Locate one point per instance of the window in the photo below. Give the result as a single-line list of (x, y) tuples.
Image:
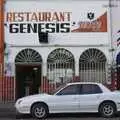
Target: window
[(69, 90), (90, 89)]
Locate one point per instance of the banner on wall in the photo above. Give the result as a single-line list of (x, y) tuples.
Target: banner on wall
[(98, 25), (54, 22)]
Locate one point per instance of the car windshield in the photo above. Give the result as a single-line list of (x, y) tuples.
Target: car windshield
[(57, 89)]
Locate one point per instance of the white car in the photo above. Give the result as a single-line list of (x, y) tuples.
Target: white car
[(72, 98)]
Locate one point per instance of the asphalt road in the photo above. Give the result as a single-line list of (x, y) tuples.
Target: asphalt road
[(8, 115), (73, 117)]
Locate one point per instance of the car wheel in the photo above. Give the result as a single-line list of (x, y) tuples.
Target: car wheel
[(107, 109), (39, 111)]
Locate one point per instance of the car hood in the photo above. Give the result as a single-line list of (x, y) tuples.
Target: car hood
[(36, 96)]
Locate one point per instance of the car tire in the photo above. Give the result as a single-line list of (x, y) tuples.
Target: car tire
[(39, 111), (107, 109)]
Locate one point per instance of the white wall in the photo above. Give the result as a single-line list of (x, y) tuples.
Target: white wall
[(79, 10)]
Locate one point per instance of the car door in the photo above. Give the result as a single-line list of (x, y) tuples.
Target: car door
[(89, 97), (65, 100)]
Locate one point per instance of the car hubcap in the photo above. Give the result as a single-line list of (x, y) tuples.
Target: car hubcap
[(108, 110), (39, 112)]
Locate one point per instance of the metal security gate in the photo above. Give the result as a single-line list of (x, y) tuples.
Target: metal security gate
[(93, 72), (7, 83), (60, 68), (93, 66)]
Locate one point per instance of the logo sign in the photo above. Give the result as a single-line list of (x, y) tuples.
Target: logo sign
[(90, 15), (96, 25)]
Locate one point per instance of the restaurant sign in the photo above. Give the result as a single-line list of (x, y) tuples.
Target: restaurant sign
[(54, 22)]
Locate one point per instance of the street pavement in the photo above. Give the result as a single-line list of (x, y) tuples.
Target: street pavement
[(7, 112)]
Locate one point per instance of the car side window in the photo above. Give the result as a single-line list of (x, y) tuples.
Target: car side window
[(69, 90), (90, 89)]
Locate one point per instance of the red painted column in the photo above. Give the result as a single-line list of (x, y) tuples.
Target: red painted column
[(1, 31), (1, 45)]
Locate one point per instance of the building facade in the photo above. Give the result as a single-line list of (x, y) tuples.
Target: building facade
[(49, 43)]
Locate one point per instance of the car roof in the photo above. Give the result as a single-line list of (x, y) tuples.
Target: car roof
[(84, 83)]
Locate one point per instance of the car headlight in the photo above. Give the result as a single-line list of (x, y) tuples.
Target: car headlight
[(19, 101)]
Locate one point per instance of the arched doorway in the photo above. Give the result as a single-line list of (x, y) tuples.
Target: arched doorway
[(28, 72), (60, 67), (92, 66)]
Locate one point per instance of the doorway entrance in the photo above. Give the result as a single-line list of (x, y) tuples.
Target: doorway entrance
[(28, 72), (28, 80)]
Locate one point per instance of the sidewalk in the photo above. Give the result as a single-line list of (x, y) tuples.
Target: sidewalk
[(7, 105), (7, 109)]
